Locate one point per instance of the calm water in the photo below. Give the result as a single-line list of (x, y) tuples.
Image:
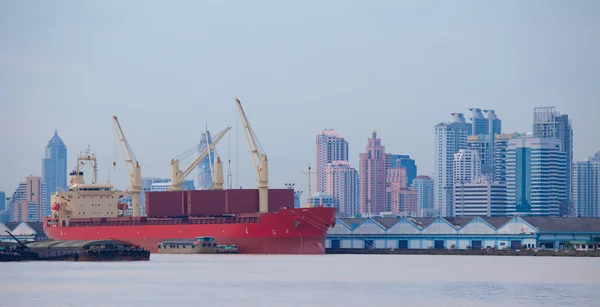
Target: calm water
[(328, 280)]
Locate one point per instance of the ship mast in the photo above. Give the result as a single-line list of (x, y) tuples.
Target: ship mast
[(84, 156), (229, 174), (259, 158), (133, 168), (309, 201)]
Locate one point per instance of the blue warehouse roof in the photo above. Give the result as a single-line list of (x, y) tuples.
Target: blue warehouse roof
[(541, 224)]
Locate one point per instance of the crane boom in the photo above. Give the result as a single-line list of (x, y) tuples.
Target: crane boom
[(177, 175), (133, 167), (259, 158)]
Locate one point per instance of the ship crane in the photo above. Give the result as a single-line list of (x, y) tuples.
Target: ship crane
[(177, 175), (133, 168), (259, 158)]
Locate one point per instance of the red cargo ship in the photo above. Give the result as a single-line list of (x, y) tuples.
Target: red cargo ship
[(92, 212), (257, 221), (288, 231)]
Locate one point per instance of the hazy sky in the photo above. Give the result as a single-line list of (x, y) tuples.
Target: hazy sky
[(168, 68)]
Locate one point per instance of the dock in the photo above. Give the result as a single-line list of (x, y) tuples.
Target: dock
[(463, 252)]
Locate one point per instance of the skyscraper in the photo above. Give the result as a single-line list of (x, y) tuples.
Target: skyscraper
[(330, 147), (586, 187), (483, 145), (481, 198), (424, 187), (548, 123), (536, 176), (343, 185), (373, 177), (481, 125), (404, 161), (495, 124), (395, 181), (205, 179), (2, 201), (482, 139), (28, 201), (467, 166), (54, 169), (405, 202), (449, 139)]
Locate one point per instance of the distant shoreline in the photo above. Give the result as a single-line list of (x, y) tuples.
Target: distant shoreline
[(463, 252)]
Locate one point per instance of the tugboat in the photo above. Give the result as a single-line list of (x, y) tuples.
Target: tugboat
[(199, 245)]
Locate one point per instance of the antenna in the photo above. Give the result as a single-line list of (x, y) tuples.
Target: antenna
[(229, 174), (237, 150), (309, 184)]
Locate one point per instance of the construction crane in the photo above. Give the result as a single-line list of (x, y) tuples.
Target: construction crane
[(178, 175), (259, 158), (133, 168)]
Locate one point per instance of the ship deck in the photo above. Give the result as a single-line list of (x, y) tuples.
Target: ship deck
[(184, 220)]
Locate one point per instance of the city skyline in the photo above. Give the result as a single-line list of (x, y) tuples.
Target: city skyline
[(392, 67), (315, 187), (466, 168)]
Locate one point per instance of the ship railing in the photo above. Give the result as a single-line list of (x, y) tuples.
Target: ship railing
[(165, 221), (213, 220)]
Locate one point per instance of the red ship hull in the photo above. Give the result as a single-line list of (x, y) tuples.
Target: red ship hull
[(288, 231)]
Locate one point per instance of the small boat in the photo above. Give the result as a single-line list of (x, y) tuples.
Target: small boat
[(198, 245), (227, 249)]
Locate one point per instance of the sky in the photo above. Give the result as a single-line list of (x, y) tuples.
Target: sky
[(168, 70)]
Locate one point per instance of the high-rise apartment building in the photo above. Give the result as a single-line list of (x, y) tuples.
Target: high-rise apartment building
[(548, 123), (404, 161), (449, 139), (536, 176), (205, 167), (481, 198), (483, 145), (28, 201), (424, 187), (481, 125), (342, 183), (2, 201), (395, 180), (467, 166), (405, 202), (500, 149), (54, 169), (330, 147), (483, 131), (586, 187), (373, 177)]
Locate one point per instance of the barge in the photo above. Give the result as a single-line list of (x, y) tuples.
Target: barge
[(199, 245)]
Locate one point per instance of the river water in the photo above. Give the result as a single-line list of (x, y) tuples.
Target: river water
[(327, 280)]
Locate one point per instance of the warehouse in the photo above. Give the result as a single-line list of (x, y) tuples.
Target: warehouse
[(24, 231), (466, 233)]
